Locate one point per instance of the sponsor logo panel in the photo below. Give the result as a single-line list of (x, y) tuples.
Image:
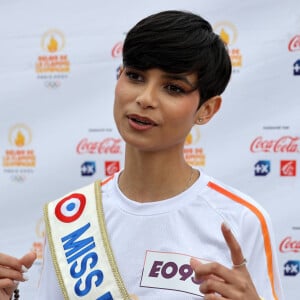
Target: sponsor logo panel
[(117, 50), (194, 155), (296, 68), (291, 268), (288, 167), (289, 244), (19, 159), (278, 147), (229, 34), (109, 145), (88, 168), (111, 167), (53, 65), (100, 147), (283, 144), (262, 168), (294, 43)]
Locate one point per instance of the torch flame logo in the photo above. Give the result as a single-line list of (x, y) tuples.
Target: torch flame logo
[(53, 41), (20, 135)]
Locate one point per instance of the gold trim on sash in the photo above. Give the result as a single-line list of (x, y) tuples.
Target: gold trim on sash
[(106, 243)]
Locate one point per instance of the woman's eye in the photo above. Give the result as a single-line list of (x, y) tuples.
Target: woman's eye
[(134, 76), (175, 89)]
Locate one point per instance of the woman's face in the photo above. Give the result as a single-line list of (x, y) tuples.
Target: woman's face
[(155, 110)]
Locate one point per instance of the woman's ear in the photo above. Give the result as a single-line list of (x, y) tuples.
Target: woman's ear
[(208, 109)]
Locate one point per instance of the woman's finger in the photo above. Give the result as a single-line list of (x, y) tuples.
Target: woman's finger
[(28, 259), (10, 262), (237, 256)]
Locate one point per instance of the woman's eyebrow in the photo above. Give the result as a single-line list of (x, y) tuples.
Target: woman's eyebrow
[(179, 77)]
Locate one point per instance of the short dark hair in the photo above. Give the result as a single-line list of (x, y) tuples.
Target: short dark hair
[(180, 42)]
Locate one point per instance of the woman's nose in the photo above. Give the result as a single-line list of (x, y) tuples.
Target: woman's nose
[(148, 98)]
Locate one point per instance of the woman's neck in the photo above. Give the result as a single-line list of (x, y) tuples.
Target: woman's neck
[(149, 177)]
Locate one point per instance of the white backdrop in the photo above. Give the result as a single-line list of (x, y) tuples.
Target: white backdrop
[(58, 66)]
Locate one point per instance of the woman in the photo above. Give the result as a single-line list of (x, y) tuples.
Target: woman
[(12, 272), (169, 231)]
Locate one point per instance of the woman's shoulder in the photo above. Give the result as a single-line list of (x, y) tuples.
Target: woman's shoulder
[(230, 201)]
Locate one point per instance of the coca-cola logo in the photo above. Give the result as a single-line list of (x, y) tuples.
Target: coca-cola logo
[(283, 144), (107, 146), (294, 43), (289, 245), (117, 50)]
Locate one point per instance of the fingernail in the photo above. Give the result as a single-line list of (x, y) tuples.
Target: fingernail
[(193, 261), (24, 269), (226, 225), (25, 277), (16, 283)]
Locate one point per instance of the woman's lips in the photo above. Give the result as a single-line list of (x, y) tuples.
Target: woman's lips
[(140, 122)]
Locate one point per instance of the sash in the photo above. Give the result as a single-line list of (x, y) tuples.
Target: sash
[(80, 248)]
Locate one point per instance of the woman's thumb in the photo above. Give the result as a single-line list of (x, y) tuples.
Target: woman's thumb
[(28, 259)]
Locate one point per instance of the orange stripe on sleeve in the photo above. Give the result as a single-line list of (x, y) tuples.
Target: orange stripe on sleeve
[(264, 227), (106, 180)]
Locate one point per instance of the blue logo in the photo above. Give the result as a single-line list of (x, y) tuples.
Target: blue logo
[(291, 268), (262, 168), (88, 168), (296, 67)]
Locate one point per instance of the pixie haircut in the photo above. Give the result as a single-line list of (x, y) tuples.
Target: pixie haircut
[(180, 42)]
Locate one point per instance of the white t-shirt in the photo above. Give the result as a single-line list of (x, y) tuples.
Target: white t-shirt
[(155, 236)]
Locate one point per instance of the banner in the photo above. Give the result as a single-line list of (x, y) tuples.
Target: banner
[(58, 68)]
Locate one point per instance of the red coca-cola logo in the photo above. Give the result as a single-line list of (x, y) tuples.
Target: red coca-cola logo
[(283, 144), (107, 146), (289, 245), (294, 43), (117, 50)]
